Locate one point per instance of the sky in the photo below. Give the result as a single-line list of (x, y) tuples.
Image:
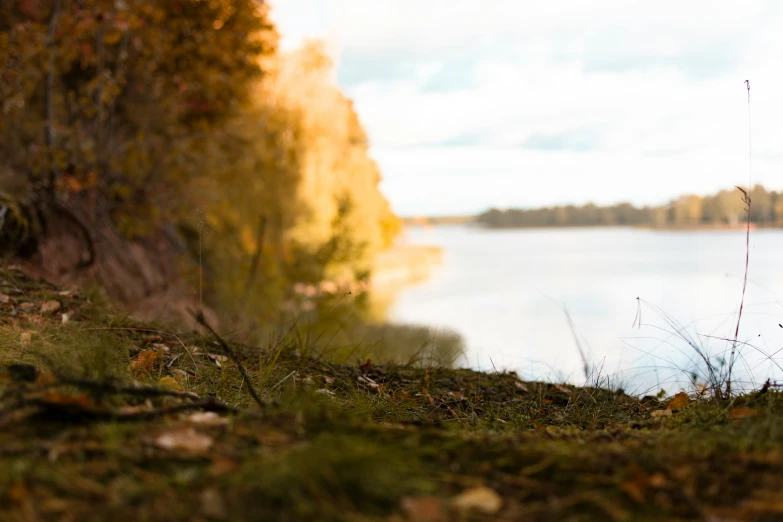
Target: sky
[(514, 103)]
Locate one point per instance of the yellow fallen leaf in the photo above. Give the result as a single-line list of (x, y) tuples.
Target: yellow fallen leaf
[(26, 338), (679, 401), (743, 412), (170, 383), (661, 413), (480, 498), (185, 439), (144, 360)]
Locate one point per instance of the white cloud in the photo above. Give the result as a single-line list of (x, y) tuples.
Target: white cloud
[(652, 89)]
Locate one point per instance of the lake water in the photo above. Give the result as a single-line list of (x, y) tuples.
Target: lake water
[(505, 291)]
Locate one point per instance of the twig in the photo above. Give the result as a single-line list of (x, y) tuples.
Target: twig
[(281, 381), (747, 201), (98, 414), (200, 319), (255, 262), (254, 265), (578, 342), (118, 389)]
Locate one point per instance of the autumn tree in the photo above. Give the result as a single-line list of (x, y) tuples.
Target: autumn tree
[(304, 204), (106, 109)]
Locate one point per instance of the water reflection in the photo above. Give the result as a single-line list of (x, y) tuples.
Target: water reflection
[(505, 292)]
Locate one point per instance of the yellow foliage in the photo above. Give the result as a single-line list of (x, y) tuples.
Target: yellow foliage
[(249, 243)]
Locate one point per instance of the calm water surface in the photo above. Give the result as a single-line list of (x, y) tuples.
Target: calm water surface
[(505, 292)]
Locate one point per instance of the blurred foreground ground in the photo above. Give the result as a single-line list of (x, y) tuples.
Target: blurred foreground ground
[(103, 417)]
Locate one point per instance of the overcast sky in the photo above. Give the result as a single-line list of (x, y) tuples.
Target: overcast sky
[(472, 104)]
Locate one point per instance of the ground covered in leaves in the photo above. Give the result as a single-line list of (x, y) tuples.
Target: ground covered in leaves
[(102, 417)]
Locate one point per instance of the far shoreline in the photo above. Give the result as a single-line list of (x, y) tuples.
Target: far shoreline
[(436, 222)]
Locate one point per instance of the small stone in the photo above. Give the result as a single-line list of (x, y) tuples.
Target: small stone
[(207, 418), (481, 499), (187, 439)]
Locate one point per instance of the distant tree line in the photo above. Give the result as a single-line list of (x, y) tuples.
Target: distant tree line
[(726, 208)]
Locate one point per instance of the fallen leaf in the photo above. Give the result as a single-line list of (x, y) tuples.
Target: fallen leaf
[(131, 410), (743, 412), (185, 439), (221, 466), (328, 380), (679, 401), (657, 480), (19, 492), (49, 307), (170, 383), (635, 489), (26, 338), (480, 498), (27, 306), (66, 318), (218, 359), (368, 382), (458, 395), (661, 413), (62, 399), (44, 377), (521, 386), (424, 509), (207, 418), (4, 299), (144, 360)]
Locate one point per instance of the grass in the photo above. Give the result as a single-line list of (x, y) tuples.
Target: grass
[(104, 417)]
